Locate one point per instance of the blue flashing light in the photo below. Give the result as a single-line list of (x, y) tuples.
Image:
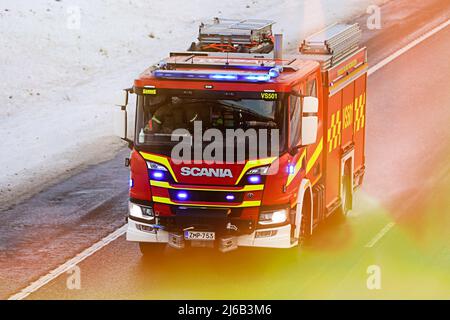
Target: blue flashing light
[(157, 175), (262, 77), (275, 72), (182, 195), (291, 169), (131, 183), (229, 76), (174, 74), (230, 197), (254, 179), (223, 77)]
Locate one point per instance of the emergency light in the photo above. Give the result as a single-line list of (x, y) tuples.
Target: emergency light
[(230, 197), (158, 175), (219, 76), (182, 195), (254, 179)]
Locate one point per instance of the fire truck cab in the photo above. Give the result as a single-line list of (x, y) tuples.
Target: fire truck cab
[(236, 77)]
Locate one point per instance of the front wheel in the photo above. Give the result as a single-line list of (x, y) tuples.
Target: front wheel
[(152, 249), (305, 225)]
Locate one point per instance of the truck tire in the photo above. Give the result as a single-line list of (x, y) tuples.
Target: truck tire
[(305, 227), (152, 249)]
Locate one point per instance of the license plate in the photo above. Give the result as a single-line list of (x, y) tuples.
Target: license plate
[(200, 235)]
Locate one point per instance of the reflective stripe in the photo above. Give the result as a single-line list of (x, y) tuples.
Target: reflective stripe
[(163, 184), (336, 87), (359, 112), (253, 164), (297, 168), (334, 131), (309, 166), (244, 204), (161, 160), (249, 165), (315, 156)]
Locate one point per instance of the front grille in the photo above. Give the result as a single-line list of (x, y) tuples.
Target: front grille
[(207, 196), (199, 212)]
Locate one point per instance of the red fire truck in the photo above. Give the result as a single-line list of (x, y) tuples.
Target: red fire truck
[(236, 77)]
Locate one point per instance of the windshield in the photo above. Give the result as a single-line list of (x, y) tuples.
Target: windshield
[(158, 116)]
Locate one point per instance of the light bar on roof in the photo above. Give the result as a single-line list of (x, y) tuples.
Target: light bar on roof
[(218, 76)]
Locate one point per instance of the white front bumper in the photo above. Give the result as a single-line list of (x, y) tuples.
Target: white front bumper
[(280, 239)]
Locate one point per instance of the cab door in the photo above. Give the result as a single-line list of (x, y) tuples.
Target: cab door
[(297, 158)]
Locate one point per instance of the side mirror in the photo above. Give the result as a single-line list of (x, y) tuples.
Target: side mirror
[(121, 100), (120, 123), (310, 120), (121, 117), (310, 105)]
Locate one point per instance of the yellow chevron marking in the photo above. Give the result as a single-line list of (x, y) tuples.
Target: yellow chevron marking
[(244, 204), (334, 131), (253, 164), (359, 112), (297, 168), (312, 161), (161, 160), (166, 185)]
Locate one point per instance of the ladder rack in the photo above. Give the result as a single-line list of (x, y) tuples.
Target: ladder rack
[(218, 60), (215, 66), (334, 43), (232, 35)]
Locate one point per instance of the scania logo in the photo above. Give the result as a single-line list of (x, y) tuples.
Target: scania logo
[(206, 172)]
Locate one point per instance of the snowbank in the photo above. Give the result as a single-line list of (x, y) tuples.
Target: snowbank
[(62, 61)]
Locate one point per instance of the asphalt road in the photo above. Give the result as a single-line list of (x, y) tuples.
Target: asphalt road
[(399, 224)]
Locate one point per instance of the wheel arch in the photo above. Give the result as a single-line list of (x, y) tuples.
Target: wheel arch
[(305, 191), (347, 167)]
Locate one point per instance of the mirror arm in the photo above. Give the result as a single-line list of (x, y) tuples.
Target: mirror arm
[(294, 150), (130, 143), (297, 94)]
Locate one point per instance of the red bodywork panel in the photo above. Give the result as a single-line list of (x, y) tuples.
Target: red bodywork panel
[(344, 107), (140, 188)]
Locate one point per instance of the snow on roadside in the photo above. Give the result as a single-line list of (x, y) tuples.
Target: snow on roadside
[(57, 81)]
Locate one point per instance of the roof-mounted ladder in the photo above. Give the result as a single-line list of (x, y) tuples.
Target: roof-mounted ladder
[(232, 35), (218, 60), (334, 43)]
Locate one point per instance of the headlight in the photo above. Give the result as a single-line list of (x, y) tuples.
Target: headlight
[(254, 176), (260, 170), (155, 166), (273, 217), (157, 171), (141, 212)]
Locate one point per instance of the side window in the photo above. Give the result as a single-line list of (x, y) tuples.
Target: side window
[(294, 120), (311, 88)]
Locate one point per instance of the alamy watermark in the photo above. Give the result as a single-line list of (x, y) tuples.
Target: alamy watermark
[(373, 281), (374, 19), (73, 281), (237, 144), (73, 21)]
